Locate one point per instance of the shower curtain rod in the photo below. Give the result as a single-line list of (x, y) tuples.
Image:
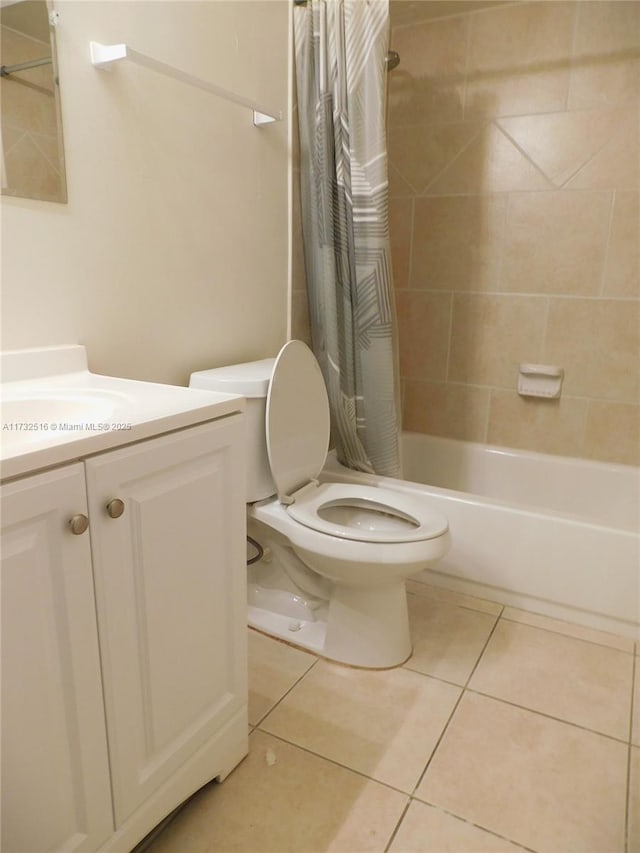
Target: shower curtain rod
[(6, 70), (392, 59)]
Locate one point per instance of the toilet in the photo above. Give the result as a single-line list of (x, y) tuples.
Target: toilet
[(331, 578)]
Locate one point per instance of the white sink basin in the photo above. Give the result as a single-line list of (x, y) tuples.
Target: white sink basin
[(52, 409), (35, 415), (46, 411)]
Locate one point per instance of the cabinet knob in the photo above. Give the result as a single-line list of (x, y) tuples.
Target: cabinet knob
[(115, 508), (78, 523)]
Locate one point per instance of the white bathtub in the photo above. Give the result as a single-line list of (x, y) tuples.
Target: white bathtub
[(551, 534)]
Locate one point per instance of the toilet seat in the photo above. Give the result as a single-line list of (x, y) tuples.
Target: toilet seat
[(369, 513), (297, 434)]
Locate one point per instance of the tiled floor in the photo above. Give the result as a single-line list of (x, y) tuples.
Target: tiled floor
[(505, 731)]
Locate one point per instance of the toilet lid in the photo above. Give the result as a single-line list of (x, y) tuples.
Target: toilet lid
[(297, 419)]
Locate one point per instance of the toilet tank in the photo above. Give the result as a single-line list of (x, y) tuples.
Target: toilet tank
[(251, 380)]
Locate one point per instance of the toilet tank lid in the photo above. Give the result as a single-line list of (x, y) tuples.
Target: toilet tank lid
[(250, 378)]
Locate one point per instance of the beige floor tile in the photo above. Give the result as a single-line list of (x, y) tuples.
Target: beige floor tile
[(384, 724), (634, 802), (438, 593), (273, 669), (570, 679), (284, 800), (425, 829), (447, 640), (544, 784), (569, 629)]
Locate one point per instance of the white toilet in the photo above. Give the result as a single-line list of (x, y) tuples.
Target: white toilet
[(336, 555)]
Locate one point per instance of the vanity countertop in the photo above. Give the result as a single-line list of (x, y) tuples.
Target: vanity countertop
[(54, 410)]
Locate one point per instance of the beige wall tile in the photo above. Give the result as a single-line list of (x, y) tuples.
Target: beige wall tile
[(546, 426), (605, 66), (555, 242), (607, 83), (526, 72), (561, 143), (429, 83), (442, 408), (491, 335), (622, 268), (471, 240), (457, 242), (491, 163), (607, 27), (597, 341), (423, 332), (420, 153), (400, 230), (499, 766), (613, 432), (403, 13), (398, 187), (615, 166)]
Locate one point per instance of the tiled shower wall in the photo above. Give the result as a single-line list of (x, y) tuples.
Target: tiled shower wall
[(513, 148)]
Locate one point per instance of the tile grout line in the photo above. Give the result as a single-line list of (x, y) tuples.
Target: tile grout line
[(552, 185), (425, 191), (333, 761), (607, 246), (284, 695), (635, 672), (427, 21), (501, 615), (569, 636), (411, 239), (572, 54), (455, 707), (398, 825), (477, 825), (547, 716)]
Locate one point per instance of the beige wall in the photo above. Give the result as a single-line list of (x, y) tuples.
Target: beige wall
[(513, 143), (172, 253)]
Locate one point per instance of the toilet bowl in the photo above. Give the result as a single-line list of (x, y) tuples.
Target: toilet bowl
[(336, 556)]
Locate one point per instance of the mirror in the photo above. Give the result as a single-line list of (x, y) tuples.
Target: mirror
[(31, 150)]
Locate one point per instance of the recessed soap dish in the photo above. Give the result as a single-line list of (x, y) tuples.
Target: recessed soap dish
[(540, 380)]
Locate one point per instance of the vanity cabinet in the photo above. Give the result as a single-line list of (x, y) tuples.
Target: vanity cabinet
[(55, 770), (131, 634)]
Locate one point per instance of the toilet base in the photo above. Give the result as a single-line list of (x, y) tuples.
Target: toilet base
[(366, 628)]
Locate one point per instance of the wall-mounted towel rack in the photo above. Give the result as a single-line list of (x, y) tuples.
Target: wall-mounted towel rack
[(102, 55)]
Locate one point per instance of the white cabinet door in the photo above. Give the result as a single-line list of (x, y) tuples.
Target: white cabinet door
[(170, 587), (55, 772)]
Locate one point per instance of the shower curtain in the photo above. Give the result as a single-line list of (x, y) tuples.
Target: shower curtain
[(340, 51)]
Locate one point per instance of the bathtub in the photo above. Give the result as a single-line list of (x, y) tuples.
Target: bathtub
[(551, 534)]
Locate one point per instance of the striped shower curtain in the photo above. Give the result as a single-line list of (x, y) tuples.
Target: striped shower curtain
[(340, 51)]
